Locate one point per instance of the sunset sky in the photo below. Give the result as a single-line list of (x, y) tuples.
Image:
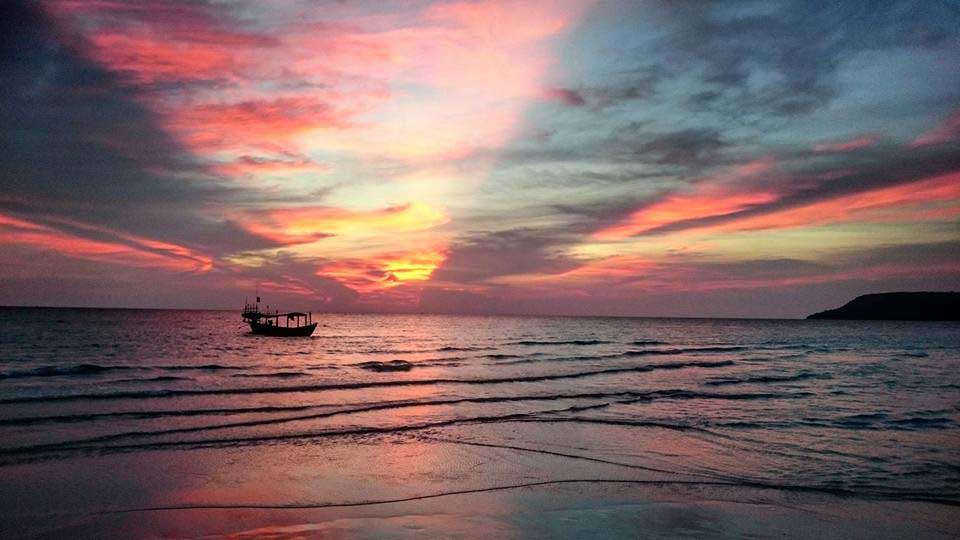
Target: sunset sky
[(678, 158)]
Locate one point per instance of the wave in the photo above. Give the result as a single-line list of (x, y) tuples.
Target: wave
[(201, 367), (567, 342), (161, 378), (83, 446), (392, 365), (642, 342), (277, 375), (685, 350), (448, 348), (919, 422), (690, 394), (628, 397), (33, 453), (79, 370), (526, 359), (159, 394), (146, 415), (866, 422), (764, 379)]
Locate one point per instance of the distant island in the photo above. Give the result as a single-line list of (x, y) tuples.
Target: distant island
[(904, 306)]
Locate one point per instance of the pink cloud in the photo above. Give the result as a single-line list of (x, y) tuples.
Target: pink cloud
[(947, 131), (925, 200), (723, 194), (564, 96), (389, 78), (256, 123), (850, 145), (125, 249), (149, 42)]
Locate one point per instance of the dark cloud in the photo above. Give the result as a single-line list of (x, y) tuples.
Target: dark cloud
[(689, 147), (783, 59), (79, 146), (284, 280), (930, 253), (590, 216), (566, 96), (488, 255), (638, 153), (297, 279), (685, 285), (633, 85), (626, 87)]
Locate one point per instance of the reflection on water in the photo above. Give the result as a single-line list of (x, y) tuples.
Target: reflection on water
[(136, 410)]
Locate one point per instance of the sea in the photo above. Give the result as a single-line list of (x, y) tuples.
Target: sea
[(159, 423)]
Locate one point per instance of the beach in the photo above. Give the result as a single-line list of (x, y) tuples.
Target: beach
[(180, 424)]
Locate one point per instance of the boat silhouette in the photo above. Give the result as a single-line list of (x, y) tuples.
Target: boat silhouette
[(264, 323)]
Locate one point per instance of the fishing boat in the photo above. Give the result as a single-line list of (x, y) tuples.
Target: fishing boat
[(265, 323)]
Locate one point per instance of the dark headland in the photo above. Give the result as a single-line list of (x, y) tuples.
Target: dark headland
[(903, 306)]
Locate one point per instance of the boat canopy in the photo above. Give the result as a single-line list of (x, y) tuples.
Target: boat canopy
[(290, 315)]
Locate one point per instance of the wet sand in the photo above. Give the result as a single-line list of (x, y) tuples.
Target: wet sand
[(423, 485)]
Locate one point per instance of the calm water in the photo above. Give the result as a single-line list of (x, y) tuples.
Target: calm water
[(122, 409)]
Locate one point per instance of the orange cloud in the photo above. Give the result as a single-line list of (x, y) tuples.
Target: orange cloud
[(307, 224), (385, 270), (917, 201), (129, 250)]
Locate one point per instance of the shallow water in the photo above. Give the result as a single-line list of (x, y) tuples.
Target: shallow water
[(117, 410)]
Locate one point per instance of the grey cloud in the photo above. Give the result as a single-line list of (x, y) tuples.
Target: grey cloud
[(79, 146), (567, 96), (689, 147), (785, 60), (476, 258)]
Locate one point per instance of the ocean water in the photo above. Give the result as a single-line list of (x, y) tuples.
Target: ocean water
[(181, 423)]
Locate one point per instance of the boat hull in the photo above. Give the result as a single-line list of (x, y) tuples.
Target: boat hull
[(282, 331)]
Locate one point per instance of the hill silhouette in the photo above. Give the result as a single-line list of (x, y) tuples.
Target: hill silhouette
[(905, 306)]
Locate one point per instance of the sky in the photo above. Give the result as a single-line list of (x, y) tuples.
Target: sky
[(563, 157)]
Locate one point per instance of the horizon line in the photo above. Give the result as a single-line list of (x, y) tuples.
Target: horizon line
[(428, 313)]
